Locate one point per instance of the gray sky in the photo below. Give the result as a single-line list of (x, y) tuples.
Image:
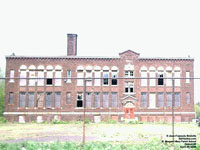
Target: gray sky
[(105, 27)]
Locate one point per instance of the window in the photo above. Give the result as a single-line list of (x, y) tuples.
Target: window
[(105, 100), (80, 75), (68, 98), (49, 75), (22, 78), (152, 74), (114, 99), (79, 100), (40, 100), (89, 76), (12, 74), (169, 99), (188, 98), (96, 99), (10, 101), (40, 75), (152, 100), (48, 99), (105, 77), (57, 99), (31, 99), (177, 100), (22, 99), (160, 99), (129, 87), (143, 99), (88, 100), (169, 75), (143, 75), (32, 69), (58, 74), (129, 70), (177, 74), (160, 78), (69, 75), (187, 76), (114, 78), (97, 74)]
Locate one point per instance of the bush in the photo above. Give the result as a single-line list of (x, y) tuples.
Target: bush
[(109, 121), (87, 121), (3, 120)]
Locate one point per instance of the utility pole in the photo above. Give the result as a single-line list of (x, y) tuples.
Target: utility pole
[(173, 101)]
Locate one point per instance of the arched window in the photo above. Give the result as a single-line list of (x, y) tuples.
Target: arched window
[(143, 75), (49, 80), (89, 75), (23, 75), (169, 75), (177, 75), (40, 72), (129, 70), (160, 76)]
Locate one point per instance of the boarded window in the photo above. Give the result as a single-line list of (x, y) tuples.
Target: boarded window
[(22, 99), (96, 99), (12, 74), (169, 99), (114, 99), (97, 74), (169, 81), (187, 76), (68, 98), (57, 80), (105, 77), (40, 100), (88, 99), (114, 78), (160, 99), (30, 99), (105, 100), (49, 78), (143, 99), (80, 81), (40, 75), (144, 81), (48, 100), (11, 98), (57, 99), (177, 100), (79, 100), (152, 74), (31, 76), (22, 78), (89, 76), (177, 74), (188, 98)]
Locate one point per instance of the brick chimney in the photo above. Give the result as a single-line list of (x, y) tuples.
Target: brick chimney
[(71, 44)]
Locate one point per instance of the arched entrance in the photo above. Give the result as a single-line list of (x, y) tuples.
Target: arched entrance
[(129, 110)]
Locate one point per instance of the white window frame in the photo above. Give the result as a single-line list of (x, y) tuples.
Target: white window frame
[(187, 76), (12, 75)]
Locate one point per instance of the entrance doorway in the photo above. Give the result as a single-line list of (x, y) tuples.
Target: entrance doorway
[(129, 113)]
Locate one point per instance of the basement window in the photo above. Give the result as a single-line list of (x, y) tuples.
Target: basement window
[(80, 100)]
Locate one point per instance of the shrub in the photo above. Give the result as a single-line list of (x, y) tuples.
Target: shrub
[(3, 120)]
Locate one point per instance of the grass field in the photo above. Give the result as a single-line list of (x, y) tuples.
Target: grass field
[(118, 132)]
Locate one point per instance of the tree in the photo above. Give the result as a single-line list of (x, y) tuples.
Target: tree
[(197, 110), (2, 93)]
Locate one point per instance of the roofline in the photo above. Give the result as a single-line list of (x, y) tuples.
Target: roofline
[(166, 58)]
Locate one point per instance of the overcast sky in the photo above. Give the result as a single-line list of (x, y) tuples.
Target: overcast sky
[(153, 28)]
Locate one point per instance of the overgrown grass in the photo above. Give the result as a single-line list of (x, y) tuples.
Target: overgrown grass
[(155, 144)]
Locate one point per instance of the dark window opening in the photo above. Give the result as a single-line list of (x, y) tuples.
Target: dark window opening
[(10, 97), (105, 81), (126, 89), (131, 90), (114, 81), (79, 103), (49, 81), (160, 80)]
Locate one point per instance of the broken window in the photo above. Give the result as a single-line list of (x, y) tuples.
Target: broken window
[(49, 80), (114, 78), (160, 99), (57, 99), (96, 99), (105, 99), (177, 100), (105, 77), (22, 99), (143, 99), (169, 99), (129, 87), (10, 101), (12, 74), (88, 100), (188, 98), (160, 78), (31, 99), (79, 100), (114, 99), (68, 98), (48, 99)]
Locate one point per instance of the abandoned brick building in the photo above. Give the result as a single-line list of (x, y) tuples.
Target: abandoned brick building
[(143, 99)]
